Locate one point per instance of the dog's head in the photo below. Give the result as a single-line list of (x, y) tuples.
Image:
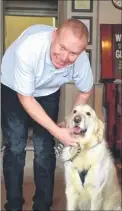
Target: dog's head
[(85, 123)]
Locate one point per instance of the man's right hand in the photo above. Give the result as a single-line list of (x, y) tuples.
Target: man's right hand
[(65, 135), (62, 124), (37, 113)]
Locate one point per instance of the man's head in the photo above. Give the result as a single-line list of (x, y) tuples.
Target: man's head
[(68, 42)]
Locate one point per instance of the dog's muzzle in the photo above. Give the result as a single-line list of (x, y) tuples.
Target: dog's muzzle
[(77, 130)]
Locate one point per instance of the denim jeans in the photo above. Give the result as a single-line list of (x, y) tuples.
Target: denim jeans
[(15, 130)]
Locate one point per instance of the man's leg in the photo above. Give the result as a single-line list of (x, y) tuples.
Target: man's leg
[(14, 126), (44, 160)]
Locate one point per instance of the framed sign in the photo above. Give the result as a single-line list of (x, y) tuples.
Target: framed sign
[(82, 5), (117, 50), (88, 22), (111, 51)]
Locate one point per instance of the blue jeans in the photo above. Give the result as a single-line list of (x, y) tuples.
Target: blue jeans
[(15, 130)]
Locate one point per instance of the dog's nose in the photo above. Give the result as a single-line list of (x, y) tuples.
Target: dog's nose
[(77, 119)]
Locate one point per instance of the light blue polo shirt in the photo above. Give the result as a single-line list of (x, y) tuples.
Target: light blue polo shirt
[(27, 68)]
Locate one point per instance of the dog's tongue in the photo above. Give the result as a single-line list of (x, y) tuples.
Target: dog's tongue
[(76, 130)]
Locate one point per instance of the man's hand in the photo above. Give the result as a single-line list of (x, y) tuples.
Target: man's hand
[(37, 113), (65, 135), (62, 124)]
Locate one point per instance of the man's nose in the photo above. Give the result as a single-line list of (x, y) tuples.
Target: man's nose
[(65, 56)]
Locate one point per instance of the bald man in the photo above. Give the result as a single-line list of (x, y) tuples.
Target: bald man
[(34, 67)]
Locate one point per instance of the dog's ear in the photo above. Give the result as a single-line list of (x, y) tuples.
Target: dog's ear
[(68, 121), (100, 128)]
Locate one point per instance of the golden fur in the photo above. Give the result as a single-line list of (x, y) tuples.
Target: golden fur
[(101, 189)]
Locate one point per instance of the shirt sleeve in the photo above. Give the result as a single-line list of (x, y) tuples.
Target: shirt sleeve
[(82, 75), (23, 75)]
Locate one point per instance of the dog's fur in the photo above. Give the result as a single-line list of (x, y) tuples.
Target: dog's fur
[(101, 189)]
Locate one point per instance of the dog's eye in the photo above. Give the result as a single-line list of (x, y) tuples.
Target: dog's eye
[(88, 113), (74, 111)]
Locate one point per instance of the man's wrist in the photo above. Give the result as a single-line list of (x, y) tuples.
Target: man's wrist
[(53, 129)]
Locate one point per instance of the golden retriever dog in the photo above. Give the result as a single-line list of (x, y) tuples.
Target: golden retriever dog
[(90, 174)]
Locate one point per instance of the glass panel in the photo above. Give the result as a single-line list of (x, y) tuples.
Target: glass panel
[(15, 25)]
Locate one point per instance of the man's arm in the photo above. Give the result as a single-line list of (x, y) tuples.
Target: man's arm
[(82, 97), (35, 110)]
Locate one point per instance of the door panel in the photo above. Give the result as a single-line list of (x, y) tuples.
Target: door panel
[(15, 25)]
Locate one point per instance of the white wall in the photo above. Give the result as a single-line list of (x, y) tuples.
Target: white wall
[(108, 13)]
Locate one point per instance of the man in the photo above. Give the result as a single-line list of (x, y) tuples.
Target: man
[(34, 68)]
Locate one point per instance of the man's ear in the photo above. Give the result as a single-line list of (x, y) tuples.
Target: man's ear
[(54, 34)]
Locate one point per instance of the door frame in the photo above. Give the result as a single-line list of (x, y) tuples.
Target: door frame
[(32, 8)]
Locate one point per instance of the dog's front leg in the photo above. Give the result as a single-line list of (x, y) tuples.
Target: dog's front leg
[(71, 200), (96, 202), (72, 186)]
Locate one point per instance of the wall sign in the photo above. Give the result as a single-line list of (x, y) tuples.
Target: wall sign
[(111, 51), (117, 50)]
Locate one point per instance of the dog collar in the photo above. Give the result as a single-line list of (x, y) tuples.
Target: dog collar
[(79, 150)]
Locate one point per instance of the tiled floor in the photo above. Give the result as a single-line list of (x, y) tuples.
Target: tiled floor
[(59, 202)]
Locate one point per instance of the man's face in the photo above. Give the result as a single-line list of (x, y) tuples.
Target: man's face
[(65, 48)]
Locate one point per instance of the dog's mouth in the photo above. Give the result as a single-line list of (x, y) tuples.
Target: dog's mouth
[(79, 131)]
